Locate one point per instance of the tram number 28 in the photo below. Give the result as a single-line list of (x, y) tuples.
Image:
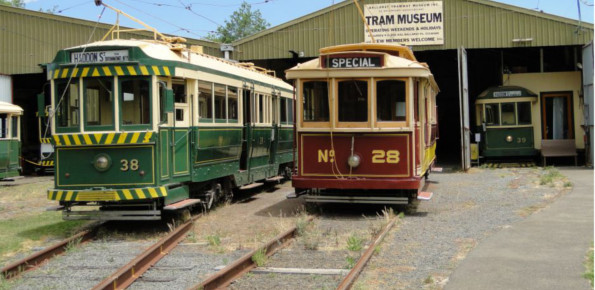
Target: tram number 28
[(378, 156)]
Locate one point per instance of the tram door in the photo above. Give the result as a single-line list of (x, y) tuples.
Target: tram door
[(181, 134), (556, 111)]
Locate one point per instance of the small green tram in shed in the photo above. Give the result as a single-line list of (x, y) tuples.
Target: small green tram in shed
[(146, 126), (10, 140), (504, 116)]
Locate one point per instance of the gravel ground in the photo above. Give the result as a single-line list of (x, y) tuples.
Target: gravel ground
[(428, 244)]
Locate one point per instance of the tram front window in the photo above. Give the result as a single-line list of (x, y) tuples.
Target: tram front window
[(135, 102), (524, 113), (492, 114), (508, 114), (353, 101), (390, 100), (315, 95), (99, 102), (68, 106)]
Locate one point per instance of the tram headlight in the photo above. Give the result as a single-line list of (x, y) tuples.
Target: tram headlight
[(353, 161), (508, 138), (102, 162)]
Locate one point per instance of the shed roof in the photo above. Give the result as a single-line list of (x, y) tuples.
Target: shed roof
[(467, 23)]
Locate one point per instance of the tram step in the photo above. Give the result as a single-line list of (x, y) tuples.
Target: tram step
[(182, 204), (425, 195), (251, 185), (436, 169), (274, 178)]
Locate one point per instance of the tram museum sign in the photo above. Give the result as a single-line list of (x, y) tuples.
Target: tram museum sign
[(406, 23)]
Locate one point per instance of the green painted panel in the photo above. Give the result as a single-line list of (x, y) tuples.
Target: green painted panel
[(495, 143), (285, 138), (214, 170), (75, 166), (177, 194), (217, 144), (164, 153), (10, 151), (181, 152)]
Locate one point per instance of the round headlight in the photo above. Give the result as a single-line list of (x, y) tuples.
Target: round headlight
[(353, 161), (508, 138), (102, 162)]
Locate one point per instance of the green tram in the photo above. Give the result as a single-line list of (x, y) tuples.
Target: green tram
[(143, 127), (10, 140), (505, 117)]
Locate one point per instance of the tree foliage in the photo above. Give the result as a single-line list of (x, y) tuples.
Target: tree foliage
[(15, 3), (243, 22)]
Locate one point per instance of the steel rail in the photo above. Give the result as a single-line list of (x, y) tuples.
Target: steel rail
[(39, 258), (244, 264), (361, 263), (127, 274)]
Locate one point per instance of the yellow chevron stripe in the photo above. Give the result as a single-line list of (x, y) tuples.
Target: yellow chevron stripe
[(119, 71), (64, 72), (166, 70), (56, 73), (109, 139), (77, 141), (135, 137), (97, 137), (57, 140), (95, 73), (163, 191), (153, 193), (144, 70), (148, 136), (85, 72), (59, 195), (69, 195), (75, 71), (131, 70), (66, 140), (139, 192), (87, 139), (106, 71), (122, 138), (127, 194), (156, 70)]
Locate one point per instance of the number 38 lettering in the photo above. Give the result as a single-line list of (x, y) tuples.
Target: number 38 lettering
[(389, 156), (129, 165)]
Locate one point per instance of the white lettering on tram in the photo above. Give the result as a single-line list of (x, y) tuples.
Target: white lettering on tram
[(354, 62), (99, 56)]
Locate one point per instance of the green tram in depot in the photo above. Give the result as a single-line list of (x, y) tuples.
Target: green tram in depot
[(505, 117), (10, 140), (143, 127)]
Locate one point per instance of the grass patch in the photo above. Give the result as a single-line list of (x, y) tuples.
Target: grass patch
[(260, 257), (355, 243), (589, 266), (549, 176), (16, 233)]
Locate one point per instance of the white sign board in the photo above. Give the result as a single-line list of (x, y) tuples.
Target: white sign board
[(406, 23), (99, 56)]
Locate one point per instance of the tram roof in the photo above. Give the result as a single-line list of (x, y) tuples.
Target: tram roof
[(181, 55), (10, 108)]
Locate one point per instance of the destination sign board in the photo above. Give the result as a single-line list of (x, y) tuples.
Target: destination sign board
[(99, 56), (508, 94), (405, 23), (352, 61)]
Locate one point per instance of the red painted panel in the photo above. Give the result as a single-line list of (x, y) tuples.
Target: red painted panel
[(381, 155)]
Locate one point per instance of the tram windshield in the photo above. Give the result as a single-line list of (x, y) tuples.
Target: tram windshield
[(353, 101), (315, 96), (135, 101), (390, 100)]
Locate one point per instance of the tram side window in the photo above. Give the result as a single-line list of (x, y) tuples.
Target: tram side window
[(315, 96), (508, 114), (524, 113), (135, 102), (260, 108), (205, 100), (232, 104), (179, 98), (290, 111), (68, 108), (353, 101), (99, 102), (3, 126), (390, 100), (283, 111), (492, 114), (220, 102)]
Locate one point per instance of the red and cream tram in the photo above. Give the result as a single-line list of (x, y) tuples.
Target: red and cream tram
[(366, 124)]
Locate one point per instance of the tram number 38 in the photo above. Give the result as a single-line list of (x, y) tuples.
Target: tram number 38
[(378, 156), (131, 164)]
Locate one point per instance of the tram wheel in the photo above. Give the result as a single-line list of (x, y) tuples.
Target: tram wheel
[(212, 195)]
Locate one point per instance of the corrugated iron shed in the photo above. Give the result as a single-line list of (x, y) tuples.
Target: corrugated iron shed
[(29, 38), (468, 23)]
